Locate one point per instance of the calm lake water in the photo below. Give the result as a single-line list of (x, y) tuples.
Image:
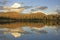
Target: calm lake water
[(30, 31)]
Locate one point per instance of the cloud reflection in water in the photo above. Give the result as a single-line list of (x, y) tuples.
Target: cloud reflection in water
[(27, 29)]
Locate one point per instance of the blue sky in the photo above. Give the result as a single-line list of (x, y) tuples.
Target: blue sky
[(51, 4)]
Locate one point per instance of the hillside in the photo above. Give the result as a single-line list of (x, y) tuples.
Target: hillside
[(38, 15), (22, 16)]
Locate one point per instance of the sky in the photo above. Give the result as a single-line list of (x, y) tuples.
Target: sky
[(50, 4)]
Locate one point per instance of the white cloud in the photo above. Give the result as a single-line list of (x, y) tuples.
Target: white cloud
[(18, 10), (16, 5)]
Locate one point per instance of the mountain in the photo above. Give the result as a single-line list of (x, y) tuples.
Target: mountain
[(22, 16), (34, 16)]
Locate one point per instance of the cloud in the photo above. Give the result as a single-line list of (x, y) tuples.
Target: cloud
[(27, 7), (41, 8), (1, 7), (16, 5), (58, 11), (33, 10), (3, 1), (19, 5)]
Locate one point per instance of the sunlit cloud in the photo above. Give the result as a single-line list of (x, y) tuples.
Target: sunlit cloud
[(16, 5), (19, 7), (17, 10)]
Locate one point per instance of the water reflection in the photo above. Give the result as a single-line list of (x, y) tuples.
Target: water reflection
[(21, 30)]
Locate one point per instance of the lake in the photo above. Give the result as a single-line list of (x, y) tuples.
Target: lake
[(30, 31)]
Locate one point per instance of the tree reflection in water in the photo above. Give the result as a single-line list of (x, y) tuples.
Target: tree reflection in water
[(18, 29)]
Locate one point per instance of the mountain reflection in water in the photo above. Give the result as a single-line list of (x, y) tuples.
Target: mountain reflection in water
[(30, 31)]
